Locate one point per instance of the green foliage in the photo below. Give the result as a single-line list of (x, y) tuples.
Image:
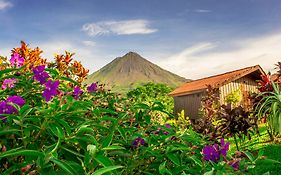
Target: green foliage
[(270, 107), (95, 132), (150, 94), (182, 122), (234, 97), (225, 120)]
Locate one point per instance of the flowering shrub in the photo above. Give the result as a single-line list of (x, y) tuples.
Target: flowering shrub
[(52, 124)]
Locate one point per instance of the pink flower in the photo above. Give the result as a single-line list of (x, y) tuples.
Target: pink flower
[(16, 60), (9, 83)]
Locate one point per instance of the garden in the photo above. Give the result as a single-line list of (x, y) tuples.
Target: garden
[(52, 123)]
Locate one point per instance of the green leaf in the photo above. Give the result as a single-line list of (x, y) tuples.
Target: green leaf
[(17, 152), (141, 106), (25, 110), (112, 147), (271, 161), (212, 172), (52, 71), (70, 80), (261, 152), (64, 165), (174, 158), (106, 142), (65, 125), (7, 70), (197, 161), (106, 169), (249, 155), (163, 169), (71, 151), (122, 133), (105, 161), (11, 131)]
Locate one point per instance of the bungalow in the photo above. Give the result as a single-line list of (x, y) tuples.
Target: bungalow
[(188, 96)]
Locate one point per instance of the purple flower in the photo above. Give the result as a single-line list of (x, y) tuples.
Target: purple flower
[(4, 109), (51, 89), (7, 108), (138, 142), (9, 83), (40, 74), (168, 125), (224, 147), (16, 100), (211, 153), (92, 88), (77, 92), (16, 60)]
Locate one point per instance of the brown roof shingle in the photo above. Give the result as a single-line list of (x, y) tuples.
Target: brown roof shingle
[(214, 81)]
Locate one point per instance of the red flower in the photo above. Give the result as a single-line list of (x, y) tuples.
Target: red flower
[(265, 83)]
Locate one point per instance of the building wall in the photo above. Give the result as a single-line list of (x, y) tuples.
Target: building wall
[(189, 103), (244, 84)]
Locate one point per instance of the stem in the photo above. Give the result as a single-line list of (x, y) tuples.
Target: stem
[(41, 130), (236, 142)]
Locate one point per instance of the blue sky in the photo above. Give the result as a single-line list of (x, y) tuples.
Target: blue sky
[(193, 38)]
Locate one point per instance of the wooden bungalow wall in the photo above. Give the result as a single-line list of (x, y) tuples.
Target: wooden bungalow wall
[(244, 83), (189, 103)]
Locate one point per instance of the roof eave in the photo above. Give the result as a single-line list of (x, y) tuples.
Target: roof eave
[(186, 93)]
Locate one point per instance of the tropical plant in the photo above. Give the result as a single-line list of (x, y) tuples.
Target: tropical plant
[(270, 106), (151, 92), (209, 111), (234, 97), (233, 122)]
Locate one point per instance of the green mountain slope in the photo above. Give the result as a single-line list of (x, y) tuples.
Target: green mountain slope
[(131, 70)]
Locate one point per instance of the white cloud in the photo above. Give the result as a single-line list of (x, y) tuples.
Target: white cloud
[(91, 57), (202, 11), (203, 60), (126, 27), (87, 55), (180, 58), (5, 5), (89, 43)]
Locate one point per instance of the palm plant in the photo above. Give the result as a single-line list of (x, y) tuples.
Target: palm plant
[(270, 107)]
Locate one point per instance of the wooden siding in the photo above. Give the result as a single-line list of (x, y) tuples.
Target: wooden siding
[(246, 84), (189, 103)]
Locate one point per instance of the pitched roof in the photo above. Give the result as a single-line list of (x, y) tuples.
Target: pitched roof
[(215, 81), (275, 77)]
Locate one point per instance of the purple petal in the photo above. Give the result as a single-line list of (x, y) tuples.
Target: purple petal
[(17, 100)]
